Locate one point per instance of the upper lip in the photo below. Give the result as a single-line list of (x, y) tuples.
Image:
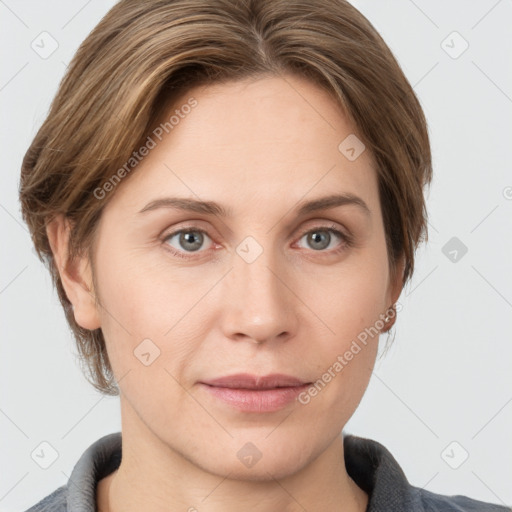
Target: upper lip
[(248, 381)]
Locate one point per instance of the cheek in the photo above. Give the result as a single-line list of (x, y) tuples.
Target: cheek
[(144, 308), (343, 360), (350, 304), (147, 336), (352, 297)]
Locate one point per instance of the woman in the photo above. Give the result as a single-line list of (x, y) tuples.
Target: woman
[(229, 195)]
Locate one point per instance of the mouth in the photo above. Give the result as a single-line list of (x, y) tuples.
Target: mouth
[(256, 394)]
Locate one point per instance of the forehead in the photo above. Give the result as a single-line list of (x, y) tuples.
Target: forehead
[(273, 138)]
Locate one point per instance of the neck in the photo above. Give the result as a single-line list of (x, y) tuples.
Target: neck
[(155, 478)]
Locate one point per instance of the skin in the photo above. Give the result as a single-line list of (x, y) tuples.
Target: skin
[(260, 148)]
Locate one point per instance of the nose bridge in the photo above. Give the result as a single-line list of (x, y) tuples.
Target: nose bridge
[(259, 304)]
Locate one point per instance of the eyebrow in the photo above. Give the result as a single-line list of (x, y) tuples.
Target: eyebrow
[(212, 208)]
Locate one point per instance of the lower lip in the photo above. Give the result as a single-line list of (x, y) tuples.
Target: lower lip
[(254, 400)]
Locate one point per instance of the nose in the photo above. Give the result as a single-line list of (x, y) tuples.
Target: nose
[(257, 305)]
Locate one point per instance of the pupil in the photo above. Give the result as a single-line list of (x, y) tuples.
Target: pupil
[(317, 238), (188, 238)]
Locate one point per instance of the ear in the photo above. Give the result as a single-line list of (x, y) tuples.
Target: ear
[(395, 288), (396, 284), (76, 276)]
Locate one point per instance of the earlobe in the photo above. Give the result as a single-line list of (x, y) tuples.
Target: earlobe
[(76, 275), (395, 289)]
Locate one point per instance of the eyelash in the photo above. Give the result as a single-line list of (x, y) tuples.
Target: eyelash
[(347, 240)]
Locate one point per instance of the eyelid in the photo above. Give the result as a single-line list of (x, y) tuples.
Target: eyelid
[(190, 226), (184, 255), (325, 227), (186, 229), (345, 237)]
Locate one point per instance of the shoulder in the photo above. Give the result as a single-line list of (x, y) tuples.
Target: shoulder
[(79, 494), (374, 469), (440, 503), (54, 502)]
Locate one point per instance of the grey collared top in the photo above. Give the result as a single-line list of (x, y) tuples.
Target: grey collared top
[(368, 463)]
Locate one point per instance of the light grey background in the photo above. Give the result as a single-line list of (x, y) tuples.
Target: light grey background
[(448, 375)]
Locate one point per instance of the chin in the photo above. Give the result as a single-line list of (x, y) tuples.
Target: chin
[(251, 463), (261, 472)]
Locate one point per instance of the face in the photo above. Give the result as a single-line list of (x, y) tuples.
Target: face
[(260, 285)]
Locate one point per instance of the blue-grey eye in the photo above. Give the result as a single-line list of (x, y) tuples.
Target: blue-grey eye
[(319, 239), (188, 241)]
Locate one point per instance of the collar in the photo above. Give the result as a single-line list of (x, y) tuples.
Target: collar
[(368, 463)]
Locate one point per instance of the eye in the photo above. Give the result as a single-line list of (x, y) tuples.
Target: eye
[(186, 240), (321, 238)]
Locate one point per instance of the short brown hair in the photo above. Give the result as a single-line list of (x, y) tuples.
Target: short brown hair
[(143, 54)]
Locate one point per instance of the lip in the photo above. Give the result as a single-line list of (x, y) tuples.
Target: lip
[(248, 381), (253, 393)]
